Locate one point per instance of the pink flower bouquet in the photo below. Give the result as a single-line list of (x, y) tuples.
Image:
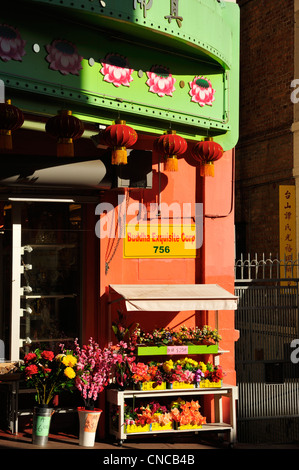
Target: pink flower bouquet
[(94, 370)]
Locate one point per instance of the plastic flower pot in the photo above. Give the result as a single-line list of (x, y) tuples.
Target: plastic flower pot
[(88, 421), (133, 428), (41, 424)]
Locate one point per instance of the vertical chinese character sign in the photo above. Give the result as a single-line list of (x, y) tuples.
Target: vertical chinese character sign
[(287, 230)]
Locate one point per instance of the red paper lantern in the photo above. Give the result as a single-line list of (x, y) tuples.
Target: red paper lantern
[(119, 137), (65, 128), (170, 145), (207, 152), (11, 119)]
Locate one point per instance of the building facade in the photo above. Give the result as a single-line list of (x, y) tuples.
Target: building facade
[(267, 222), (266, 151)]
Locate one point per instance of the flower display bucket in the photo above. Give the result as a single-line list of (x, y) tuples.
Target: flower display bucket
[(41, 424), (134, 428), (179, 385), (182, 427), (150, 386), (159, 427), (88, 421), (208, 384)]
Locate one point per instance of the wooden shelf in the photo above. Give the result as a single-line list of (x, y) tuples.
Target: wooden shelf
[(48, 296), (51, 246), (218, 427), (118, 398)]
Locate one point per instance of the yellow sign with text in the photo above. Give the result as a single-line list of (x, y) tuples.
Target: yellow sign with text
[(160, 241)]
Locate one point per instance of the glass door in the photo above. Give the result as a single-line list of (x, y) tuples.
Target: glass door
[(46, 272)]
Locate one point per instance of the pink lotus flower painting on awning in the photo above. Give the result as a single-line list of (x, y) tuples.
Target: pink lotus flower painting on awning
[(64, 57), (201, 91), (116, 70), (12, 46), (160, 81)]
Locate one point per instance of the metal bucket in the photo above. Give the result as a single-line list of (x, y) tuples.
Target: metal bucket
[(41, 424)]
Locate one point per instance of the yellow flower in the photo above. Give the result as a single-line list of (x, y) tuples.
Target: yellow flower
[(59, 357), (202, 366), (187, 360), (168, 365), (69, 372), (177, 403), (69, 360), (192, 362)]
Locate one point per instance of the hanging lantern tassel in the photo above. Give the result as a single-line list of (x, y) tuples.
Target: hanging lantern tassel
[(5, 140), (171, 146), (119, 137), (171, 163), (11, 119), (207, 152), (65, 147), (207, 169), (119, 156), (65, 128)]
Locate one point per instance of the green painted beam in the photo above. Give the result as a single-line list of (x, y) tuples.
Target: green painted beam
[(204, 43), (191, 349)]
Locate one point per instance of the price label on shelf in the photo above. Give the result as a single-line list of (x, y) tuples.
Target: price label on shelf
[(177, 349)]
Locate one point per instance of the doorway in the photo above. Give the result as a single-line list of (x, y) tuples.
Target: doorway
[(41, 276)]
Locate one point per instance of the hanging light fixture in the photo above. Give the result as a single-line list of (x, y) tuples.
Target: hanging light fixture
[(207, 152), (11, 119), (65, 128), (170, 145), (119, 137)]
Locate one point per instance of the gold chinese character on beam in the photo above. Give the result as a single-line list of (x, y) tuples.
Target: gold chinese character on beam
[(174, 13)]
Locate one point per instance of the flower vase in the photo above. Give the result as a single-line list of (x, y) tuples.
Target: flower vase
[(41, 424), (88, 421), (138, 386)]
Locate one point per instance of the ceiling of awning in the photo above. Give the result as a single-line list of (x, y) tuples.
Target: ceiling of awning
[(175, 297), (40, 171)]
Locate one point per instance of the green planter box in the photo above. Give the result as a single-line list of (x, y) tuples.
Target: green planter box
[(168, 350)]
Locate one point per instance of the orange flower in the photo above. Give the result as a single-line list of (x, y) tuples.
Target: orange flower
[(194, 405), (186, 418), (165, 419), (176, 415), (152, 370)]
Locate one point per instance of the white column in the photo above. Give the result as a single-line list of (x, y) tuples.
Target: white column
[(16, 283)]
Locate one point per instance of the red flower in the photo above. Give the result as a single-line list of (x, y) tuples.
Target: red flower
[(48, 355), (218, 374), (31, 370), (29, 357), (47, 371)]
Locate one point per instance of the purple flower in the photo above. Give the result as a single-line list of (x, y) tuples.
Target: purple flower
[(12, 46), (64, 57), (198, 375)]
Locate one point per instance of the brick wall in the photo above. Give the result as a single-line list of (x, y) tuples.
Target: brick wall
[(264, 154)]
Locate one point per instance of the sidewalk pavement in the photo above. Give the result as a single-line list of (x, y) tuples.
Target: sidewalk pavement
[(192, 443)]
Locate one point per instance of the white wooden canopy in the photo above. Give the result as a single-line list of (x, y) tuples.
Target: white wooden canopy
[(175, 297)]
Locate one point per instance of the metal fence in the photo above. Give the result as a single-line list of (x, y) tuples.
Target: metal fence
[(266, 267), (267, 318)]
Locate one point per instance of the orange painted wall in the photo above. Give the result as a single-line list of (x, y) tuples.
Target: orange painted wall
[(176, 187), (215, 262), (213, 265)]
